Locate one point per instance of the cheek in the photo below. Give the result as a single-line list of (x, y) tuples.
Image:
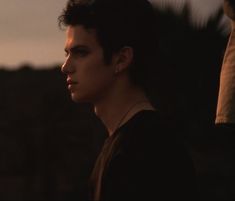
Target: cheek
[(99, 76), (95, 80), (97, 72)]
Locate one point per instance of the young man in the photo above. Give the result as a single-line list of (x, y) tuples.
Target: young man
[(226, 101), (110, 48)]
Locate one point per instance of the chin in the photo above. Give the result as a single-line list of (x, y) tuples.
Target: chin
[(75, 98), (79, 99)]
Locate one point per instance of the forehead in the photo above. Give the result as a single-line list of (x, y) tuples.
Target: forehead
[(78, 35)]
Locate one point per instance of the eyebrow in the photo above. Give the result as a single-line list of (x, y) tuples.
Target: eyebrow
[(76, 47)]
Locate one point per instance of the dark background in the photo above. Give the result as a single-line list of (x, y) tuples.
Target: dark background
[(48, 144)]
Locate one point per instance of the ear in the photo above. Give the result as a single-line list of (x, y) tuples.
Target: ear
[(124, 59)]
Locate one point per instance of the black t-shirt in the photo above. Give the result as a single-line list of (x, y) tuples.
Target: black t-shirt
[(143, 160)]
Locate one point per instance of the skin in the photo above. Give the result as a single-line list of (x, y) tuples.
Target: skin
[(106, 86)]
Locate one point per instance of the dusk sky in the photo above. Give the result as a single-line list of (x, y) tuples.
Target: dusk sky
[(29, 31)]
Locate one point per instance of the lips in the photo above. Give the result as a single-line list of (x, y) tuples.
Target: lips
[(71, 82)]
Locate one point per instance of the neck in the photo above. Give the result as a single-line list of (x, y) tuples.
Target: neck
[(117, 109)]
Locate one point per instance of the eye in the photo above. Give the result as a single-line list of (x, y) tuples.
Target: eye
[(81, 53), (77, 52)]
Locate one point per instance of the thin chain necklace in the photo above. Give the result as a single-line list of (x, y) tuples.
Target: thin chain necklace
[(125, 115)]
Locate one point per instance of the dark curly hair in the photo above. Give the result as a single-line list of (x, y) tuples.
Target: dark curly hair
[(119, 23)]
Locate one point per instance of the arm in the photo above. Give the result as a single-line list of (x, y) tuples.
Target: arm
[(226, 99)]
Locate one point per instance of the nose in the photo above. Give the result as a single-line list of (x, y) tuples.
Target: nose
[(67, 67)]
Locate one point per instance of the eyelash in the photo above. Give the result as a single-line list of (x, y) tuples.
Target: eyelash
[(81, 53)]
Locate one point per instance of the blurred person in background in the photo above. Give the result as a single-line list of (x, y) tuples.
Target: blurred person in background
[(226, 100), (111, 46)]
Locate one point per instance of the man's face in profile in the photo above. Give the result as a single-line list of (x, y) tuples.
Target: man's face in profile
[(88, 76)]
